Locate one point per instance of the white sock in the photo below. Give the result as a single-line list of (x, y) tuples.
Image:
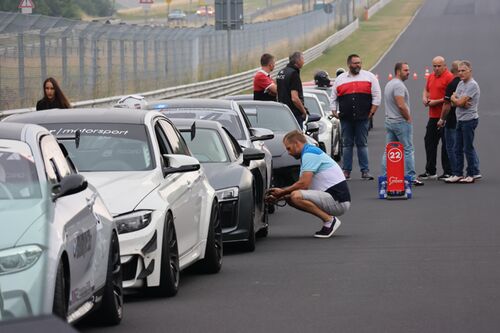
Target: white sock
[(329, 223)]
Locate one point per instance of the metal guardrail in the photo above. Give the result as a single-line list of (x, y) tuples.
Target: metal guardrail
[(217, 87), (223, 86)]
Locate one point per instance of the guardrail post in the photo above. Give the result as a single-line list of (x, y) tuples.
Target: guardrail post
[(93, 72), (134, 61), (43, 58), (110, 65), (145, 57), (81, 50), (122, 65), (20, 61), (64, 60)]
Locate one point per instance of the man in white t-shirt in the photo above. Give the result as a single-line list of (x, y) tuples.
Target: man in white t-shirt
[(321, 189)]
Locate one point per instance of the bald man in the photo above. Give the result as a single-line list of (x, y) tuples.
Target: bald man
[(433, 98)]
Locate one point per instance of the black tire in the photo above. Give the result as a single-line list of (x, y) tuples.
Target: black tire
[(60, 305), (262, 233), (110, 311), (212, 262), (169, 268)]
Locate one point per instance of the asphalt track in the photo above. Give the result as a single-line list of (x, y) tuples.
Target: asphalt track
[(430, 264)]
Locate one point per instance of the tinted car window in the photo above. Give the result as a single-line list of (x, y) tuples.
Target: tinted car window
[(228, 119), (176, 142), (56, 165), (18, 174), (272, 117), (206, 146), (107, 147), (312, 105)]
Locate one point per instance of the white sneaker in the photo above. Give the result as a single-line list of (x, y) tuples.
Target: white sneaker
[(467, 180), (453, 179)]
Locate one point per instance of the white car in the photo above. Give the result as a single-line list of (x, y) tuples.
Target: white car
[(329, 127), (165, 209), (59, 249)]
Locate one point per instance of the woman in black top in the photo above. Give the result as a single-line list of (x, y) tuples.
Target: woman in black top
[(53, 97)]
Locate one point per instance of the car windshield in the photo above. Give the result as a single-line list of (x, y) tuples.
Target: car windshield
[(312, 105), (229, 119), (275, 118), (18, 174), (106, 147), (206, 146)]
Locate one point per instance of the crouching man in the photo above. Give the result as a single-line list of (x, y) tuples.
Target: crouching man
[(321, 189)]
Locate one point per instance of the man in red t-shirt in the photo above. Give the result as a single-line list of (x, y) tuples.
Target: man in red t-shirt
[(433, 97), (264, 88)]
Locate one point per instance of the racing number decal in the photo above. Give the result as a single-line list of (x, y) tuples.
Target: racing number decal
[(395, 155)]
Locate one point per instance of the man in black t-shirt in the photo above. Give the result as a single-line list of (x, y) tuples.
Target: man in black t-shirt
[(290, 86), (448, 120)]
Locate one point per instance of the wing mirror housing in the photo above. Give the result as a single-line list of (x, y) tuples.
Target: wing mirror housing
[(261, 134), (70, 184), (176, 163), (252, 154), (313, 117)]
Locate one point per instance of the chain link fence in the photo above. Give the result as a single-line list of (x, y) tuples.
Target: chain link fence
[(93, 60)]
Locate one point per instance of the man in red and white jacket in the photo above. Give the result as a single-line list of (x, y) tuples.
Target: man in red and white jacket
[(357, 95), (264, 88)]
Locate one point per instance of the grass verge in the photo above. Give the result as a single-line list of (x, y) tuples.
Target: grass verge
[(370, 41)]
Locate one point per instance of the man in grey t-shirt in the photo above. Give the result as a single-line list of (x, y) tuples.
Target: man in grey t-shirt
[(398, 119), (466, 99)]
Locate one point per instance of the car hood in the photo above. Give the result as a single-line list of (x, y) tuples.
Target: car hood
[(16, 217), (123, 191), (223, 175)]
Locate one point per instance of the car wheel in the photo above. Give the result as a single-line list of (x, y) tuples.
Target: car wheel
[(60, 305), (212, 262), (111, 310), (169, 268)]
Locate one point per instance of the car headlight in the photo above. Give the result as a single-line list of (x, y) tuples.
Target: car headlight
[(133, 221), (230, 193), (19, 258)]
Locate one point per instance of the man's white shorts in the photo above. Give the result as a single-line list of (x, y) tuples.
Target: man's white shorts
[(326, 202)]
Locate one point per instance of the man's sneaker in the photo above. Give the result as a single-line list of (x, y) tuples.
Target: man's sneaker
[(477, 177), (444, 176), (417, 182), (467, 180), (347, 175), (453, 179), (366, 176), (328, 232), (426, 175)]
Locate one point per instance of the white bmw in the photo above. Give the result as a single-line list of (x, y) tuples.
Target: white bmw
[(165, 209)]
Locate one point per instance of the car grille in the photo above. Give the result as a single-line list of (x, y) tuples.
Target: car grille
[(229, 213)]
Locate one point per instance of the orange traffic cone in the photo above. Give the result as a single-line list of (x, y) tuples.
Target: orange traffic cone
[(415, 77), (427, 72), (389, 77)]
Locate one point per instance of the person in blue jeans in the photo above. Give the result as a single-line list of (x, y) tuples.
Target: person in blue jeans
[(448, 120), (466, 99), (357, 95), (398, 119)]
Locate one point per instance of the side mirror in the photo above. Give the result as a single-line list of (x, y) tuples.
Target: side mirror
[(70, 184), (261, 134), (312, 128), (252, 154), (313, 117), (179, 163)]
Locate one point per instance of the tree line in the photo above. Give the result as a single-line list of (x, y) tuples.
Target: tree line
[(64, 8)]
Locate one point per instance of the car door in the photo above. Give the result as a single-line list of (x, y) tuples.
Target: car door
[(75, 223), (177, 189)]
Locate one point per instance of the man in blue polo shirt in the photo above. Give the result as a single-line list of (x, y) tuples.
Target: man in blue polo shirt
[(321, 189)]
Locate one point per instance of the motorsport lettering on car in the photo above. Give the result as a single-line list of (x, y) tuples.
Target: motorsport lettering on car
[(69, 131)]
